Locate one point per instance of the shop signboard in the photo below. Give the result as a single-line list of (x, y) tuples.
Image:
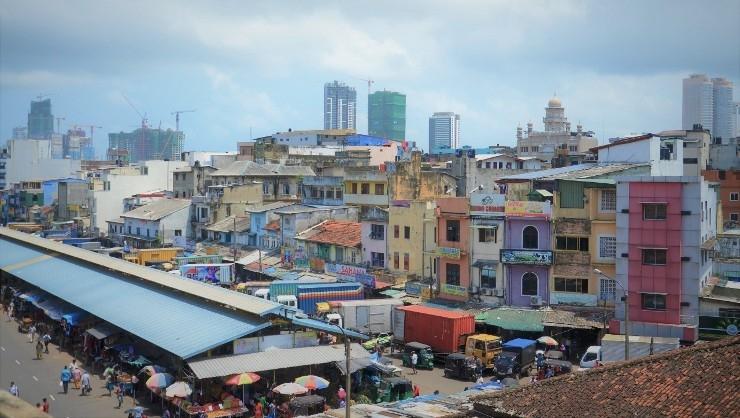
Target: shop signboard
[(454, 290), (414, 288), (448, 252), (487, 204), (533, 257), (527, 209)]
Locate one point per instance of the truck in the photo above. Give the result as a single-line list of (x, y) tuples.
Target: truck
[(371, 316), (444, 330), (485, 347), (516, 358), (309, 295), (210, 273), (612, 348)]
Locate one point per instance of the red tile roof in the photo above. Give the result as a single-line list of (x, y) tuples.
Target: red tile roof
[(341, 233), (700, 381), (273, 226)]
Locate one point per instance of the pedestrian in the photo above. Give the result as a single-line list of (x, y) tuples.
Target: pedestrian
[(257, 410), (73, 364), (14, 389), (119, 395), (76, 377), (417, 391), (342, 404), (86, 388), (11, 310), (46, 339), (480, 380), (65, 377), (109, 383), (167, 413), (38, 406), (45, 405), (414, 360), (39, 349), (271, 410), (31, 332)]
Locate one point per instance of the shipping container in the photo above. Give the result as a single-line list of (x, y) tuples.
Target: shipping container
[(210, 273), (612, 346), (310, 294), (442, 329), (372, 316), (153, 255), (290, 287), (198, 259)]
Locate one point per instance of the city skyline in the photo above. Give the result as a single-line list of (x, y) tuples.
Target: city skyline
[(497, 80)]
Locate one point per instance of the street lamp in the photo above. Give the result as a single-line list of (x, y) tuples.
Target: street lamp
[(626, 315), (348, 381)]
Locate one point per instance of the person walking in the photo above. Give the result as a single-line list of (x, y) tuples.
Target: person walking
[(86, 388), (11, 309), (39, 349), (45, 405), (65, 377), (119, 395), (76, 377), (14, 390), (341, 393), (46, 340), (414, 360), (31, 333)]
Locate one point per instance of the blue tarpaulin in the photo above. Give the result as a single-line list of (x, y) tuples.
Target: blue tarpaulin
[(74, 318)]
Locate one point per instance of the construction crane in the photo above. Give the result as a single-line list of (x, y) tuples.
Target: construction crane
[(177, 117), (87, 125), (369, 84)]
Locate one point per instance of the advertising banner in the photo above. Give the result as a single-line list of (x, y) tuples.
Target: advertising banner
[(414, 288), (454, 290), (487, 204), (533, 257), (350, 273), (448, 252), (527, 209)]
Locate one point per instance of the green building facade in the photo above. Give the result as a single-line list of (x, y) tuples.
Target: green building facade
[(387, 115)]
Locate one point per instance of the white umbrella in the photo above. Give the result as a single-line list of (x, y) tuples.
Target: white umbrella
[(290, 389), (178, 390)]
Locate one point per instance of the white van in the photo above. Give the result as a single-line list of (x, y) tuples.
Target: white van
[(262, 293), (592, 355), (288, 300)]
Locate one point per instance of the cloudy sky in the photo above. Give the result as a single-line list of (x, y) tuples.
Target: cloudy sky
[(260, 66)]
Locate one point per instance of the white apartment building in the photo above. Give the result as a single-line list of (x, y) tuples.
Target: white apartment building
[(444, 131), (725, 116), (31, 160)]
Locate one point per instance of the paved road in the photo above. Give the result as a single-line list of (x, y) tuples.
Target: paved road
[(38, 379)]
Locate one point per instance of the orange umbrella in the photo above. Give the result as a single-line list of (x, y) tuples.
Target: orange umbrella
[(243, 379)]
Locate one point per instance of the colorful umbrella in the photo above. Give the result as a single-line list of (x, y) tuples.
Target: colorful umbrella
[(547, 340), (290, 389), (178, 390), (312, 382), (242, 379), (159, 381), (152, 369)]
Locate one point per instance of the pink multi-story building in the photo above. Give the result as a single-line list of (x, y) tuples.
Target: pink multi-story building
[(665, 232), (453, 241)]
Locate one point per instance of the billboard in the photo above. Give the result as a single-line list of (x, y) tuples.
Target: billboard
[(448, 252), (487, 204), (454, 290), (350, 273), (527, 209), (209, 273), (532, 257)]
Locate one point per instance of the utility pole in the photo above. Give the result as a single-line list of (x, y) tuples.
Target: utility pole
[(626, 314), (348, 375)]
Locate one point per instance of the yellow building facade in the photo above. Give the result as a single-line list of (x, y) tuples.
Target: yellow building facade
[(411, 239)]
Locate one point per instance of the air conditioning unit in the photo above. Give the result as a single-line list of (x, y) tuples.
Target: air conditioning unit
[(499, 292), (535, 300), (474, 289)]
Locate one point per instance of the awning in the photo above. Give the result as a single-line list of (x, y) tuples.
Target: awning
[(543, 192), (326, 327), (355, 364), (54, 309), (513, 319), (273, 360), (709, 244), (102, 331), (485, 263), (393, 293), (32, 297), (74, 318), (382, 285)]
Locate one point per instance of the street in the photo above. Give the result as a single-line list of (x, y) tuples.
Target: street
[(38, 379)]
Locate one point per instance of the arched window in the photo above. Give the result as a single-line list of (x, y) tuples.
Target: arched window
[(530, 237), (529, 284)]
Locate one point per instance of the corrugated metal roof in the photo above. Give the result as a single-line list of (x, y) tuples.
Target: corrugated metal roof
[(253, 169), (181, 325), (533, 175), (268, 206), (157, 209), (273, 360), (227, 224), (103, 330), (447, 313), (323, 326), (514, 319), (218, 295)]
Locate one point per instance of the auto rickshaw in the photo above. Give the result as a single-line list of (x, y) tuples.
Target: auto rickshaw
[(424, 353), (460, 366), (394, 389), (307, 405)]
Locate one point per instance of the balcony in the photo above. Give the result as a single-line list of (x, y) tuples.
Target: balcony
[(323, 181)]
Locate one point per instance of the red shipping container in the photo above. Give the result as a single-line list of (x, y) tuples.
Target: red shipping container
[(440, 329)]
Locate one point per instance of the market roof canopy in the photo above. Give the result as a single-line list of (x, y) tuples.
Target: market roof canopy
[(326, 327), (182, 325), (275, 359), (514, 319)]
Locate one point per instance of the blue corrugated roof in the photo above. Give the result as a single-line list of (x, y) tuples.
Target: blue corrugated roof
[(174, 322), (519, 343), (326, 327)]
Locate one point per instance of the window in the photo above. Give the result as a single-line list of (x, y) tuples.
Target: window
[(535, 148), (453, 274), (573, 148), (129, 229), (377, 231), (529, 284), (729, 313), (395, 261), (608, 201), (377, 259), (608, 288), (607, 247), (654, 256), (365, 188), (286, 188), (734, 196), (530, 238), (396, 231), (453, 230), (354, 257), (178, 232), (406, 261), (407, 232), (339, 254), (138, 231), (354, 188), (265, 188), (571, 243), (735, 217), (228, 210), (337, 193), (488, 278), (653, 301), (487, 235), (654, 211), (571, 285), (380, 189), (203, 213)]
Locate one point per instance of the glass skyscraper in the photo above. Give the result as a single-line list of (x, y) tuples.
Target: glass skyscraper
[(340, 106)]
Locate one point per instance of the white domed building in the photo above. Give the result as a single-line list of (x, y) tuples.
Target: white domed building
[(557, 135)]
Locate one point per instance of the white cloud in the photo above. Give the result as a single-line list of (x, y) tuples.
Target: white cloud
[(43, 79)]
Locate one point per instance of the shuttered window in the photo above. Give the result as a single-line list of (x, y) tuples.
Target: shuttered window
[(571, 194)]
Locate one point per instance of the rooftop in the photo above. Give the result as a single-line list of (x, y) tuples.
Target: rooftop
[(253, 169), (158, 209), (268, 206), (573, 172), (341, 233), (272, 226), (227, 224), (622, 141), (700, 381)]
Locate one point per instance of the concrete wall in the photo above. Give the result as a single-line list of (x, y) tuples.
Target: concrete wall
[(412, 216), (371, 245), (30, 160)]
